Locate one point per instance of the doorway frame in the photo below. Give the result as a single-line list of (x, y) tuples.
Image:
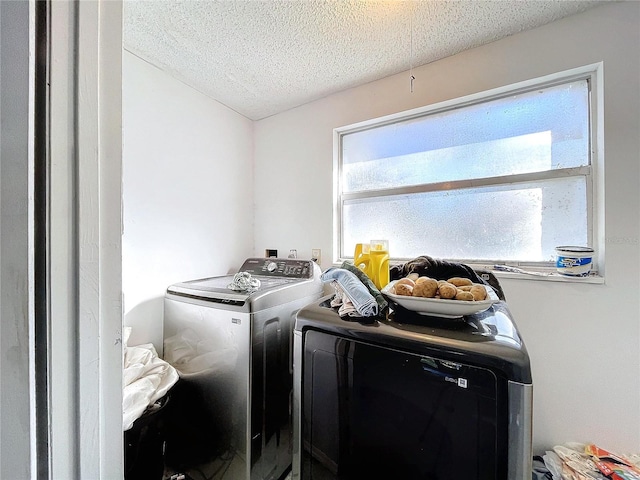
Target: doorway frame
[(85, 238)]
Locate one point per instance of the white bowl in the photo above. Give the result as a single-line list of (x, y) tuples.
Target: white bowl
[(439, 307)]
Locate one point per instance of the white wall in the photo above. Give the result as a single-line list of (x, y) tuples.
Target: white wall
[(583, 339), (188, 201), (17, 418)]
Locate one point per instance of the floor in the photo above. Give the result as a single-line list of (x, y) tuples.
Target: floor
[(222, 470)]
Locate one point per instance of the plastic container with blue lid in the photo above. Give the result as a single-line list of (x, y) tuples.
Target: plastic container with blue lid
[(574, 261)]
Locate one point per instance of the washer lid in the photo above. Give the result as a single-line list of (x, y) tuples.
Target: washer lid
[(281, 280), (216, 289)]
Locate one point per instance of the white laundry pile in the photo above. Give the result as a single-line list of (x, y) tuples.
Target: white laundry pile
[(145, 378)]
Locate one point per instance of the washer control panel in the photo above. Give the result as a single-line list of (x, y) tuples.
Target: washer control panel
[(279, 267)]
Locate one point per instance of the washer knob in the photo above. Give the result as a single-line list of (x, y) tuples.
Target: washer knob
[(271, 266)]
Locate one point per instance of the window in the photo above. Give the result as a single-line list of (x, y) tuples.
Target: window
[(498, 177)]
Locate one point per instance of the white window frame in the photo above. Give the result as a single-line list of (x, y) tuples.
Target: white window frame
[(595, 179)]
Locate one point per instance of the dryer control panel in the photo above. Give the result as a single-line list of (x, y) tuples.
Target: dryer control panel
[(279, 267)]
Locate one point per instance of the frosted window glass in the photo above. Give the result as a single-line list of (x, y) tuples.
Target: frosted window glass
[(522, 222), (529, 132), (504, 179)]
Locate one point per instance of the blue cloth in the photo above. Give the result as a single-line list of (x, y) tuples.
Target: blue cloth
[(373, 290), (365, 304)]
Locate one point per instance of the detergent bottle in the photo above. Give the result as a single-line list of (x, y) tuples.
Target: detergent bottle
[(361, 257), (379, 263)]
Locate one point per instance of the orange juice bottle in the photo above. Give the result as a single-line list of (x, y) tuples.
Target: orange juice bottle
[(379, 262)]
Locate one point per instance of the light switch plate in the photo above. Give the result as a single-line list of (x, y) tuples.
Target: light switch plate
[(316, 255)]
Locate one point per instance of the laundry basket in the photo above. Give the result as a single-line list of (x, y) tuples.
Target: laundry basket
[(144, 444)]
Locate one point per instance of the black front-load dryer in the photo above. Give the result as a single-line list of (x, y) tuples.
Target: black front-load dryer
[(411, 397)]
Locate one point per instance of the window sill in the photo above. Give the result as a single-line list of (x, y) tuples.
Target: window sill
[(549, 277), (540, 274)]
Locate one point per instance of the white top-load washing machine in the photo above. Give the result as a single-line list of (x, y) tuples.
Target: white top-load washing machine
[(230, 415)]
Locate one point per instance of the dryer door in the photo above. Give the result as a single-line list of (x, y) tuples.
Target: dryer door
[(378, 413)]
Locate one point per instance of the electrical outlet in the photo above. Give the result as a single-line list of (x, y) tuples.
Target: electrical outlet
[(316, 255)]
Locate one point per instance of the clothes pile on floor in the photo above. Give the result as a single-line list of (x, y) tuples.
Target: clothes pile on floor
[(577, 461), (146, 378)]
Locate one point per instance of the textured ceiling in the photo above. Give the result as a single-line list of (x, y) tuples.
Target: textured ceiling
[(263, 57)]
